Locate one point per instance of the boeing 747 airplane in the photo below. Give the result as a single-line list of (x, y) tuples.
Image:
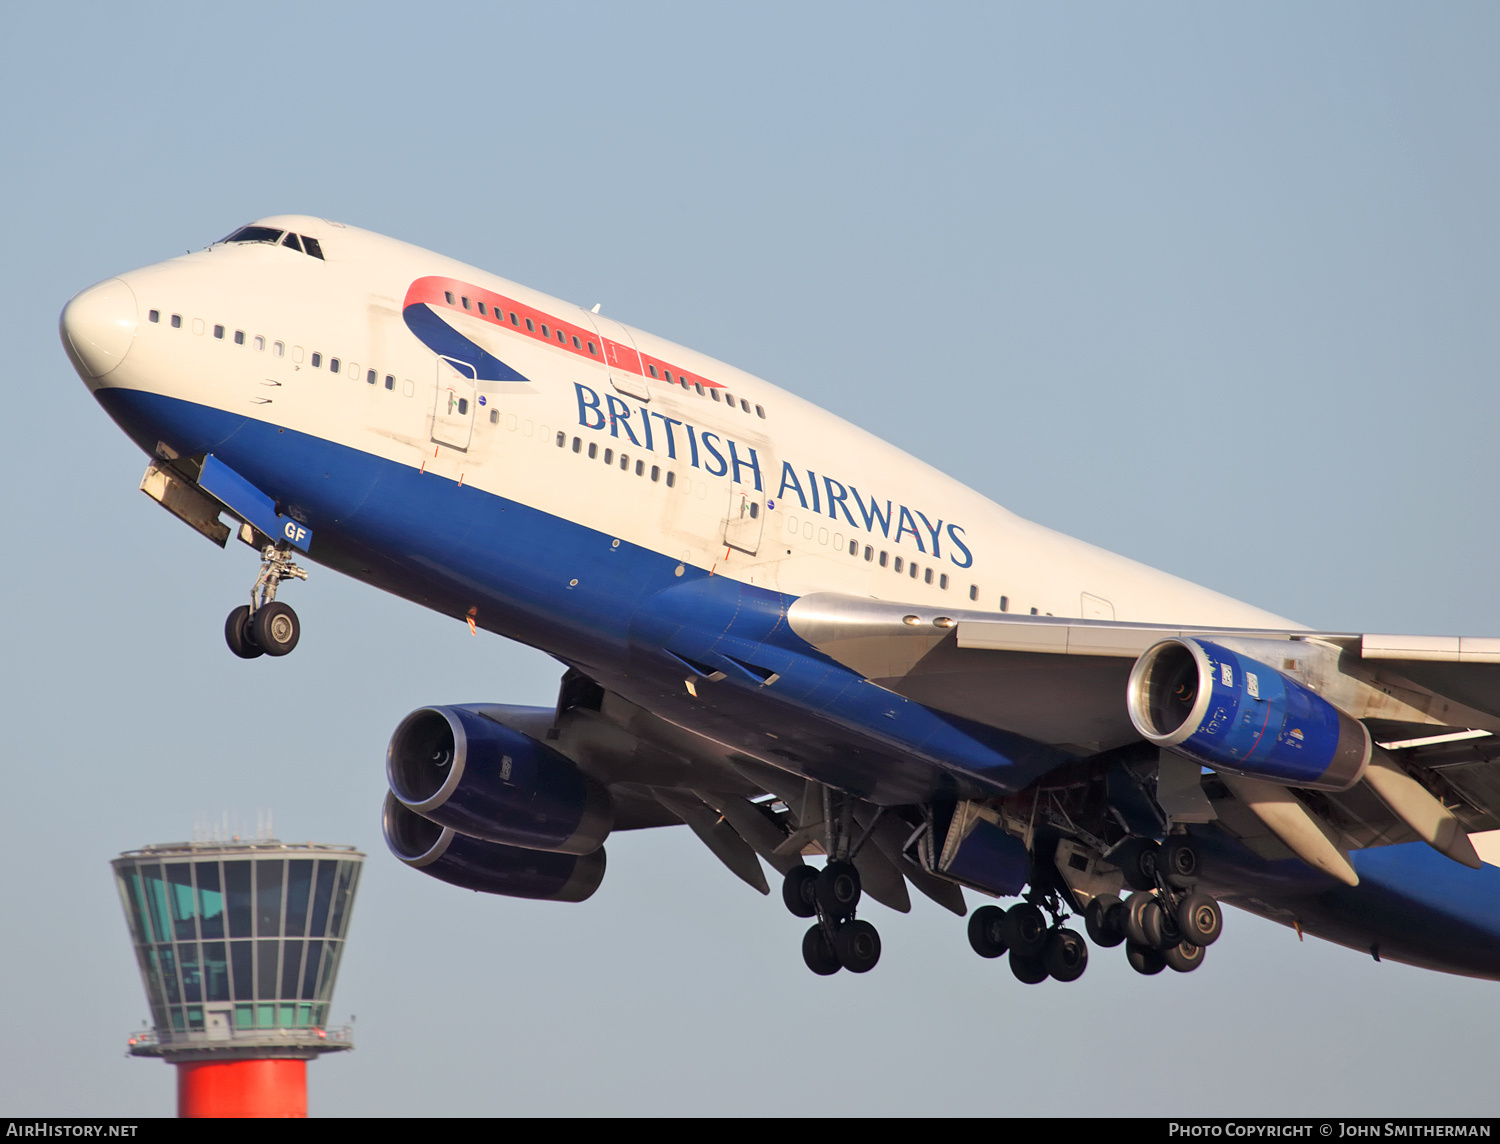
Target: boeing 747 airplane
[(784, 633)]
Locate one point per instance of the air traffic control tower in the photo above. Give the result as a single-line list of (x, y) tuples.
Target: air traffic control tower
[(239, 944)]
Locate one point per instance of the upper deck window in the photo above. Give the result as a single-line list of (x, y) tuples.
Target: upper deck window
[(255, 234)]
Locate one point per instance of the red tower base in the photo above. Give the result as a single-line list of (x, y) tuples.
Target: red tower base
[(275, 1087)]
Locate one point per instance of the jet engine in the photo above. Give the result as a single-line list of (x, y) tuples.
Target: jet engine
[(1232, 713), (488, 867), (464, 771)]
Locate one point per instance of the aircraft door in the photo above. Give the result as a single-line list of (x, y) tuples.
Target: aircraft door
[(746, 519), (621, 356), (453, 413)]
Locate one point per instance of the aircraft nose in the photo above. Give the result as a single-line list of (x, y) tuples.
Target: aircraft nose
[(98, 327)]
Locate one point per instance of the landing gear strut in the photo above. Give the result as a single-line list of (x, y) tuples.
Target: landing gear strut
[(266, 626), (1036, 950), (838, 940), (1167, 923)]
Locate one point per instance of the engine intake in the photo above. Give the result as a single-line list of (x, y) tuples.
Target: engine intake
[(482, 779), (488, 867), (1235, 714)]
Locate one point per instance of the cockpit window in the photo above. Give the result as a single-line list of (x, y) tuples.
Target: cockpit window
[(255, 234), (312, 246), (291, 240)]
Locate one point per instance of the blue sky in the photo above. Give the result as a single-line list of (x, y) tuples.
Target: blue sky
[(1212, 286)]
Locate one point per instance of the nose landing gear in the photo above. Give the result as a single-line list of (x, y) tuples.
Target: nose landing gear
[(266, 626)]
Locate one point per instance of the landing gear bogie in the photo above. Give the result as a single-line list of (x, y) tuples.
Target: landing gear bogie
[(266, 626)]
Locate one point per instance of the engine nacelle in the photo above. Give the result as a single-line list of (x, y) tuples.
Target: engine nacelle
[(1234, 714), (484, 780), (488, 867)]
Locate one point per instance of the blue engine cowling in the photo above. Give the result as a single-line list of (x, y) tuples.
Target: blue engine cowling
[(488, 867), (1232, 713), (485, 780)]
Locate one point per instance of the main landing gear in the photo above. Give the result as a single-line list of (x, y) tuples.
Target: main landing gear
[(1038, 950), (1167, 923), (266, 626), (837, 940)]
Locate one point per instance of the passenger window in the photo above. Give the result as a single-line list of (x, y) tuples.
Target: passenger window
[(513, 320), (593, 448), (714, 393), (592, 350), (854, 548), (278, 349), (463, 405), (609, 456), (729, 397), (561, 439), (390, 382), (198, 326), (577, 345), (561, 339), (317, 360), (698, 385), (927, 576), (291, 240), (943, 581), (409, 387), (656, 472), (313, 247), (333, 365), (260, 343), (745, 405), (624, 463), (155, 316), (652, 368), (466, 303), (667, 375), (576, 444), (219, 332), (494, 416), (177, 321), (545, 332), (530, 327), (973, 591), (882, 559), (759, 412), (914, 570), (1005, 603), (869, 553), (755, 513), (671, 478), (448, 294), (239, 337), (897, 565)]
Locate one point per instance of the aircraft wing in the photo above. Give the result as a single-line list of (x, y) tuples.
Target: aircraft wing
[(1431, 701)]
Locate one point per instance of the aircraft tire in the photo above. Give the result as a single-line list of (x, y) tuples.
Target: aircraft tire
[(987, 931), (1137, 861), (1028, 970), (1159, 924), (799, 891), (857, 944), (1143, 959), (1178, 861), (1104, 920), (276, 628), (1184, 957), (1066, 955), (1200, 919), (237, 634), (819, 953), (1025, 931), (1132, 923), (838, 890)]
